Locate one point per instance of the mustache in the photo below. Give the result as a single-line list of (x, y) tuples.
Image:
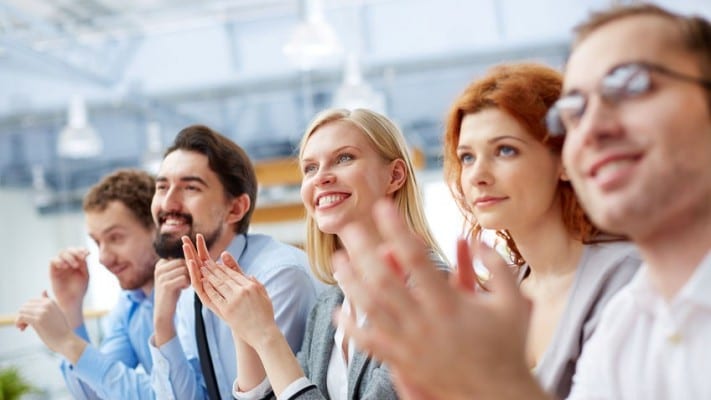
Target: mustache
[(163, 215)]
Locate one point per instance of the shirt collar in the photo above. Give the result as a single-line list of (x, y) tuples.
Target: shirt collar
[(138, 296), (695, 291)]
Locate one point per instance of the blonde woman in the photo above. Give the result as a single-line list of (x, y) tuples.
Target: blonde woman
[(349, 161)]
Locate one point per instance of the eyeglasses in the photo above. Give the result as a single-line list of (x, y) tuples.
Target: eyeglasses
[(622, 82)]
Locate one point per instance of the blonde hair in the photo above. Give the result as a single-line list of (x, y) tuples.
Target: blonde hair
[(390, 144)]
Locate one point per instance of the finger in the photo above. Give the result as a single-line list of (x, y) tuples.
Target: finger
[(193, 264), (220, 281), (367, 339), (502, 279), (230, 262), (381, 310), (225, 272), (21, 323), (464, 276), (202, 251), (408, 249), (189, 251), (70, 258), (213, 296), (196, 279)]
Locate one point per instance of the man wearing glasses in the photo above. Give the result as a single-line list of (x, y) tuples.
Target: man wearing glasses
[(636, 112)]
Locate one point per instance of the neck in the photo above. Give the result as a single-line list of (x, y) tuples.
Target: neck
[(147, 288), (548, 248), (673, 253), (222, 243)]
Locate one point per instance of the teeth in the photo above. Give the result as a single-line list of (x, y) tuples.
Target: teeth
[(614, 166), (330, 199)]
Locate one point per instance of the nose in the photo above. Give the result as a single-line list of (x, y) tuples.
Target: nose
[(479, 173), (325, 177), (106, 256), (599, 123), (171, 200)]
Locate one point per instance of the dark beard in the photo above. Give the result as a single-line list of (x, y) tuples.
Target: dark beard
[(170, 247)]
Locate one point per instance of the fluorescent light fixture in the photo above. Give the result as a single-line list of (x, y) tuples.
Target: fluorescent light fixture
[(78, 139)]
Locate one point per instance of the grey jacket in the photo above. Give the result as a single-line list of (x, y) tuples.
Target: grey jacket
[(368, 379), (603, 270)]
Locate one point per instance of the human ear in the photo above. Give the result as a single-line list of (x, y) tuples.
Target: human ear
[(239, 206), (398, 175)]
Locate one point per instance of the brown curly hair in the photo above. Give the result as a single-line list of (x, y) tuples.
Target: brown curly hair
[(134, 188), (524, 91)]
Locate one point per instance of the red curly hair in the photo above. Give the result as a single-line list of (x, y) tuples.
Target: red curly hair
[(525, 91)]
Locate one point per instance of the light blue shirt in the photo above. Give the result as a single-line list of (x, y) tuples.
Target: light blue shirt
[(284, 272), (119, 368)]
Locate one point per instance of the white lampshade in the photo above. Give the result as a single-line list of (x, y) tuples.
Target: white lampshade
[(78, 139), (313, 41), (355, 92)]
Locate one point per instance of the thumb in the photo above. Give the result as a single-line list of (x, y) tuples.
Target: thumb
[(230, 262)]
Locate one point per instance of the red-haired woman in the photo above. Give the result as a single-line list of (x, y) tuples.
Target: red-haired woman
[(505, 173)]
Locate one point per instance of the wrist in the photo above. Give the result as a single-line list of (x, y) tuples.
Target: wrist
[(72, 348), (164, 331), (269, 339)]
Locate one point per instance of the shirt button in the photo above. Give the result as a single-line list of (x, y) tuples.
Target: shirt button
[(674, 338)]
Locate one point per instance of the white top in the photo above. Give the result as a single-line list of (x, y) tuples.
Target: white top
[(648, 348), (336, 376)]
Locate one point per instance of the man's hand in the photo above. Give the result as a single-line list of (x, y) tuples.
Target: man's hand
[(51, 325), (441, 339), (171, 277), (69, 275)]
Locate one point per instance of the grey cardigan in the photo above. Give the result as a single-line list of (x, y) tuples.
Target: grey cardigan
[(367, 378), (604, 268)]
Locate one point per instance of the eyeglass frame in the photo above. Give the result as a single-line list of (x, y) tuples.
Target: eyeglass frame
[(611, 94)]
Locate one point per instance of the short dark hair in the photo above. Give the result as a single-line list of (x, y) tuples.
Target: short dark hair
[(694, 30), (134, 188), (226, 159)]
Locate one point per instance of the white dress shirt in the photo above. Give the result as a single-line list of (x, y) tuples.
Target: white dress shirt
[(648, 348)]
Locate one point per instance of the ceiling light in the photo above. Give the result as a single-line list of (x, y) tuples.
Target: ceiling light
[(313, 40), (78, 139), (355, 92), (153, 156)]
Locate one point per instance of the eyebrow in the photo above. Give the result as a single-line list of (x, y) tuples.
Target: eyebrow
[(337, 150), (185, 179), (106, 231), (494, 140)]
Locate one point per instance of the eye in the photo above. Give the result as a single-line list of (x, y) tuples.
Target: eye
[(466, 158), (506, 151), (115, 238), (309, 169), (345, 157), (161, 187), (192, 188)]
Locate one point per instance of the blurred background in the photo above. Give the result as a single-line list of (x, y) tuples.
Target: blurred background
[(88, 86)]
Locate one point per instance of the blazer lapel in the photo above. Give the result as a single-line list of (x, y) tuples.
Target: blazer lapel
[(323, 340), (356, 370)]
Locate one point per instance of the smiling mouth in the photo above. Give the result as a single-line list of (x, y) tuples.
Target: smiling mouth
[(331, 199)]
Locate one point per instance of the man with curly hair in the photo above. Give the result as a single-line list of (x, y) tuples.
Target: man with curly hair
[(118, 220)]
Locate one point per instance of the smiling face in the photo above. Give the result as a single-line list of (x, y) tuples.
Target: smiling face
[(125, 245), (509, 179), (642, 165), (190, 199), (343, 176)]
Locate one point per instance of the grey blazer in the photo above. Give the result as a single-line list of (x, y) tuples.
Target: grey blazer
[(603, 270), (368, 379)]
